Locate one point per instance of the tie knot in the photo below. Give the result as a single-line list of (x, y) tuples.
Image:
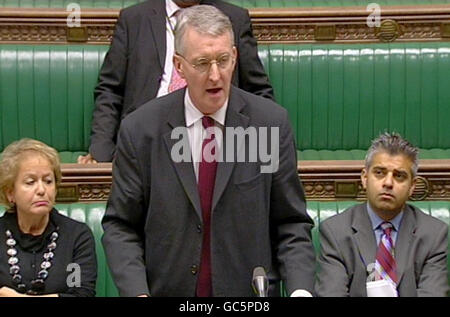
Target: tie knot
[(207, 122), (387, 228)]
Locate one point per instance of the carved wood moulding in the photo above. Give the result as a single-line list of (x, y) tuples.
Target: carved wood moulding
[(340, 180), (85, 183), (349, 24), (32, 25), (322, 180), (281, 25)]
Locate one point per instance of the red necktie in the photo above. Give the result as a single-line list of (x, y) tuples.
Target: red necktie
[(385, 265), (206, 179)]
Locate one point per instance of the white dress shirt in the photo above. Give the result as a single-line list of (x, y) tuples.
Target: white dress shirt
[(197, 133)]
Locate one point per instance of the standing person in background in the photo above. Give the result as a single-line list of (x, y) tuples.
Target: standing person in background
[(138, 66)]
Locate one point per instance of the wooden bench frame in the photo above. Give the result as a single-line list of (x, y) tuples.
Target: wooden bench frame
[(322, 180), (270, 25)]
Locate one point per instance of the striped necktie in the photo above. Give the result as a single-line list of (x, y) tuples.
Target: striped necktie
[(176, 81), (385, 265)]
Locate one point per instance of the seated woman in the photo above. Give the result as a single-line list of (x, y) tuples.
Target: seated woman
[(41, 251)]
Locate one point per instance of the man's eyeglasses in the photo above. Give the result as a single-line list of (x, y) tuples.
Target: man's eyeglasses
[(203, 65)]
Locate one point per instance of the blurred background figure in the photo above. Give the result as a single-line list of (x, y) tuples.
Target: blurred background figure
[(139, 66)]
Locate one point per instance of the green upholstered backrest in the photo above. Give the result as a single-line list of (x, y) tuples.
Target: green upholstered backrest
[(92, 214), (242, 3), (113, 4), (339, 97), (319, 211), (326, 3), (46, 93)]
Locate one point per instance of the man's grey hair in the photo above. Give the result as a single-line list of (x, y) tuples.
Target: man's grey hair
[(205, 19), (393, 144)]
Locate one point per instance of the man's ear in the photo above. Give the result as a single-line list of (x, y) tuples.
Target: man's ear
[(413, 186), (364, 177), (235, 56), (178, 66)]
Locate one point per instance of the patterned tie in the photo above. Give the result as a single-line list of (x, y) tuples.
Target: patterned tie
[(385, 265), (206, 179), (176, 82)]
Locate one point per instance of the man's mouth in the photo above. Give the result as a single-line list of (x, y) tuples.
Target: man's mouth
[(213, 91), (387, 196)]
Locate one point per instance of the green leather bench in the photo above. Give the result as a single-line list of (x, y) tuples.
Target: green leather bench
[(46, 93), (339, 97), (319, 211), (243, 3)]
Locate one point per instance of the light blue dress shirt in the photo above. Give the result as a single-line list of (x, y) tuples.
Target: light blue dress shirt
[(377, 221)]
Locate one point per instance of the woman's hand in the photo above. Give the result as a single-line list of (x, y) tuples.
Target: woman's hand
[(9, 292)]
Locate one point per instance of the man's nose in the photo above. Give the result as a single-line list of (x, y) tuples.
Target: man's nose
[(214, 73), (388, 180)]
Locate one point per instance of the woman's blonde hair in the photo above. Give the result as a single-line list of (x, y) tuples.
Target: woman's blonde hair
[(14, 154)]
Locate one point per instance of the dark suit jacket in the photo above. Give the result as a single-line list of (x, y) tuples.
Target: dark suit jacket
[(348, 245), (133, 68), (153, 222)]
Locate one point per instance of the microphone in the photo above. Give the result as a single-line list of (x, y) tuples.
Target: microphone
[(260, 283)]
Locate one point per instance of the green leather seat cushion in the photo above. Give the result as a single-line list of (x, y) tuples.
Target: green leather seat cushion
[(92, 213)]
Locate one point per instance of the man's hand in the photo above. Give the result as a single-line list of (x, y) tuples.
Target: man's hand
[(86, 159)]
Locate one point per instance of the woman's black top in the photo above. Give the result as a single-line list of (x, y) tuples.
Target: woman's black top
[(75, 244)]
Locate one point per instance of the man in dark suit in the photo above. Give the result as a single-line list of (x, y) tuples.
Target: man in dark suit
[(138, 66), (199, 227), (384, 242)]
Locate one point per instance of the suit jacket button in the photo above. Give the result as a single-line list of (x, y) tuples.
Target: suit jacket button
[(194, 269), (199, 228)]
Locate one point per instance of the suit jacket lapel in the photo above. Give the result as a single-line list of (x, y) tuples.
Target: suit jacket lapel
[(405, 237), (364, 236), (234, 118), (157, 19), (184, 170)]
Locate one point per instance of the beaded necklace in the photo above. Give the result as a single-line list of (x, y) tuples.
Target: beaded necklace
[(37, 284)]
